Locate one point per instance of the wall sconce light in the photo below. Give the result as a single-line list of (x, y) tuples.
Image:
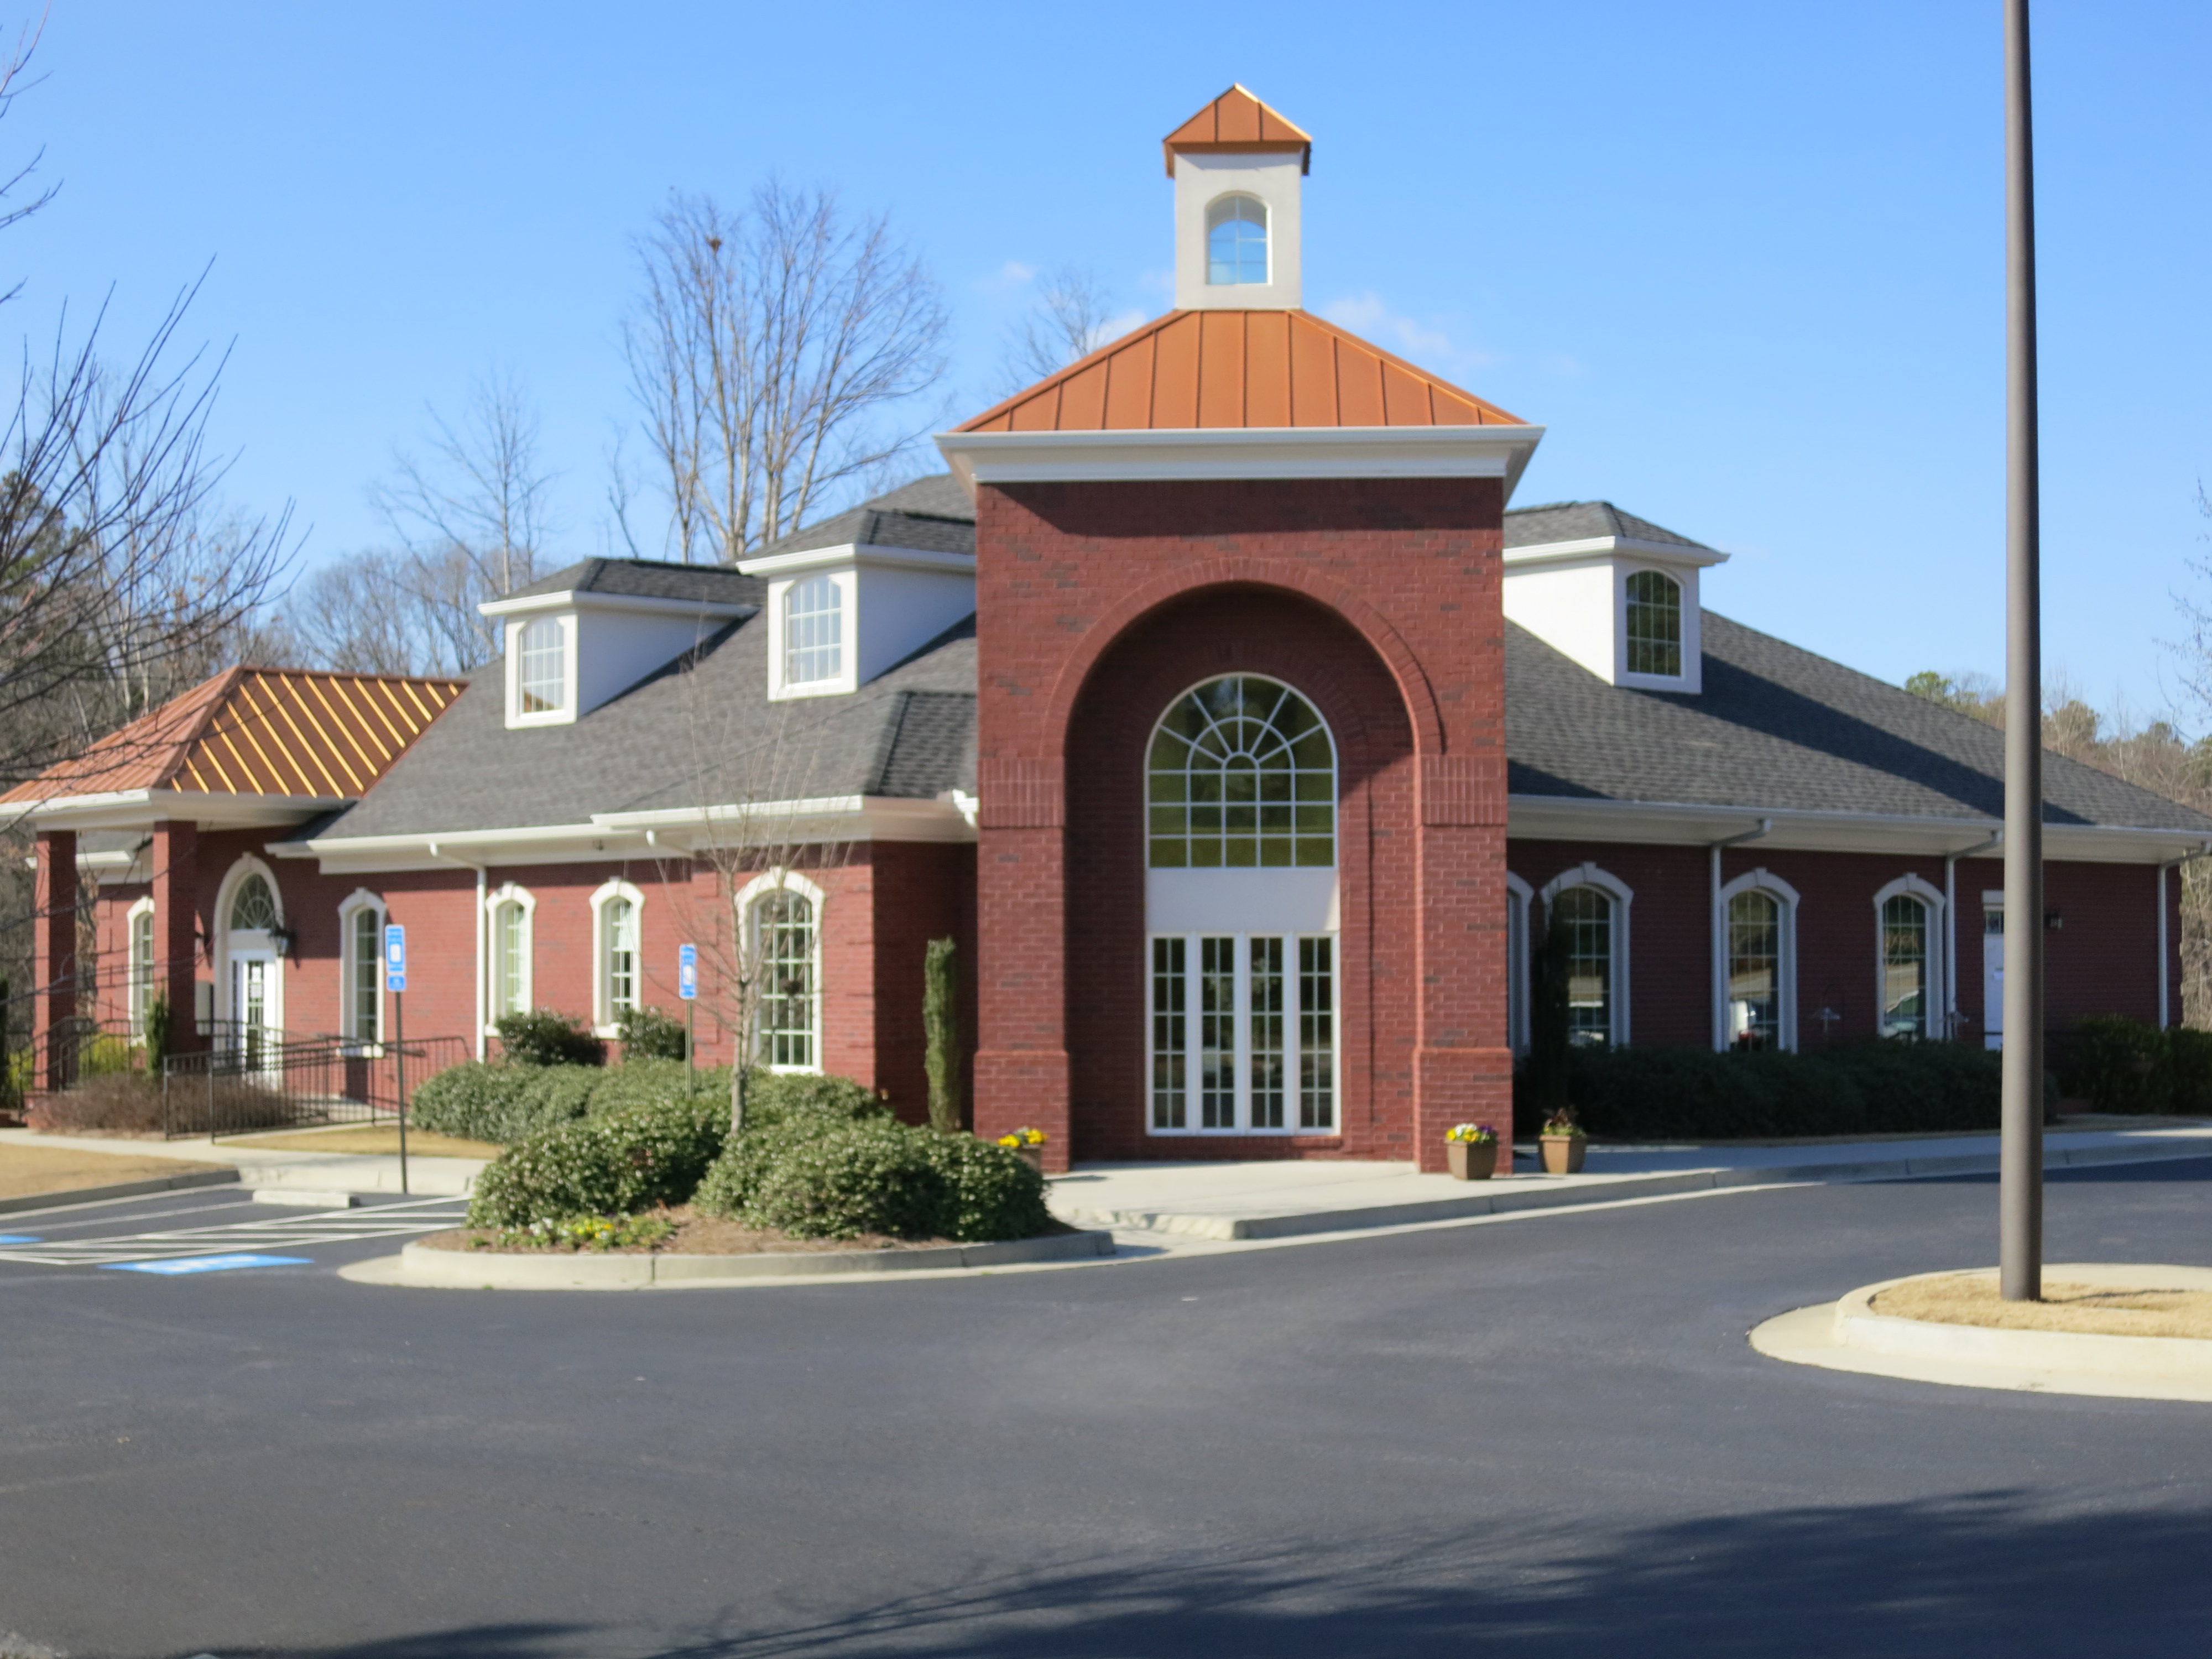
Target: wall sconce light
[(2053, 922)]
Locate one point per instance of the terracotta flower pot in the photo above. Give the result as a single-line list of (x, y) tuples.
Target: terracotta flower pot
[(1563, 1154), (1034, 1156), (1472, 1160)]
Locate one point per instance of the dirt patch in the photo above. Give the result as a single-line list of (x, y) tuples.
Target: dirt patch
[(702, 1235), (372, 1138), (2085, 1310), (26, 1170)]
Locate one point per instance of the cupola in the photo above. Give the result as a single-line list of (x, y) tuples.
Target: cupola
[(1237, 167), (1614, 593)]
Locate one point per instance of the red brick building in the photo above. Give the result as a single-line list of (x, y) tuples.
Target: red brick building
[(1216, 702)]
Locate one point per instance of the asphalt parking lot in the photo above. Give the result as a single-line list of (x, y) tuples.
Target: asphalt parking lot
[(1541, 1437)]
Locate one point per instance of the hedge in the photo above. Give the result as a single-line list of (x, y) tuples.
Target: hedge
[(2122, 1065), (504, 1102), (816, 1177), (1695, 1094), (607, 1164)]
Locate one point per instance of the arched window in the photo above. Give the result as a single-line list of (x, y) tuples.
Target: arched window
[(1754, 971), (1904, 976), (616, 912), (784, 940), (1242, 775), (361, 922), (252, 907), (1586, 925), (813, 631), (142, 964), (1655, 624), (1237, 241), (512, 924), (542, 674)]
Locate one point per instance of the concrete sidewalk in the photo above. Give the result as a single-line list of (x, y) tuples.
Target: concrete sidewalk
[(1281, 1198), (261, 1166)]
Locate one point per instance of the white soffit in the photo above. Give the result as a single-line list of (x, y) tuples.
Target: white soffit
[(1334, 452), (1599, 547), (860, 553), (571, 600)]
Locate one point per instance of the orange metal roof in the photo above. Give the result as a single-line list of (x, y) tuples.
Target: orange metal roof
[(259, 732), (1238, 368), (1238, 121)]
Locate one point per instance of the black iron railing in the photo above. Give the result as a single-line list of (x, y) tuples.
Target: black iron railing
[(259, 1080)]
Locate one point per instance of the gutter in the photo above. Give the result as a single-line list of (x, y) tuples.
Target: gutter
[(476, 1027)]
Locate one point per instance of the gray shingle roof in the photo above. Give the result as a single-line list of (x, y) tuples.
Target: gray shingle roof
[(651, 579), (1577, 521), (1778, 727), (932, 514)]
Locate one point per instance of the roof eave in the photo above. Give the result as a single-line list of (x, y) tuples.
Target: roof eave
[(1592, 547), (139, 809), (574, 599)]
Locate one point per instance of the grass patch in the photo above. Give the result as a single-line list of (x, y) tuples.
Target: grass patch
[(2083, 1309), (371, 1140), (26, 1171)]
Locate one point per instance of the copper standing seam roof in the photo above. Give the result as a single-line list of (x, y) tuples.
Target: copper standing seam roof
[(1238, 368), (1239, 122), (294, 732)]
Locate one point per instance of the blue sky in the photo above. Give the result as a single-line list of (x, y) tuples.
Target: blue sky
[(1744, 260)]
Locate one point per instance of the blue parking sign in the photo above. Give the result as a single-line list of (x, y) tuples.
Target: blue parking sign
[(687, 972), (395, 957)]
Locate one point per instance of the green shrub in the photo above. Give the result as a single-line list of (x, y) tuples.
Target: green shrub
[(649, 1082), (2118, 1065), (505, 1103), (610, 1164), (649, 1034), (105, 1053), (816, 1176), (543, 1037), (2189, 1056), (776, 1096), (1878, 1087)]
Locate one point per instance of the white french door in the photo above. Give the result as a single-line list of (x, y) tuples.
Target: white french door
[(256, 1021), (1243, 1033)]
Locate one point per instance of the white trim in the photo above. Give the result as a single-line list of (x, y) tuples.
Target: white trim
[(566, 714), (864, 554), (1933, 995), (1336, 452), (605, 1020), (847, 677), (1590, 549), (1762, 880), (1520, 898), (1590, 875), (135, 1015), (508, 893), (575, 599), (248, 942), (779, 879), (1241, 1017), (349, 907), (141, 808)]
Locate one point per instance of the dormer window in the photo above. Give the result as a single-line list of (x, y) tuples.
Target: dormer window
[(541, 672), (1237, 241), (813, 632), (1655, 624)]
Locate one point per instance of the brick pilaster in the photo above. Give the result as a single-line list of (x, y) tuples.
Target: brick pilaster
[(176, 928), (54, 956)]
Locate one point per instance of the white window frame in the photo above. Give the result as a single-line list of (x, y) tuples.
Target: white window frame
[(1692, 678), (1623, 896), (605, 1019), (1932, 1022), (1519, 898), (1759, 881), (256, 939), (140, 986), (846, 581), (350, 907), (566, 714), (1240, 1014), (1266, 235), (494, 902), (781, 880)]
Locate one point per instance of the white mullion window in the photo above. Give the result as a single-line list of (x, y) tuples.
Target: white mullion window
[(1243, 1030), (1316, 1037), (1170, 1002)]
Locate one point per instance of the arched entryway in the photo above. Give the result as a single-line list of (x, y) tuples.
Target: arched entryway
[(249, 966)]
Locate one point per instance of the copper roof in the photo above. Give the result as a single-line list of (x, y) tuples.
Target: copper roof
[(290, 733), (1238, 368), (1237, 122)]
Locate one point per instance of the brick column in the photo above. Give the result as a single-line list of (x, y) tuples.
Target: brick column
[(176, 929), (1021, 1064), (53, 971), (1463, 1073)]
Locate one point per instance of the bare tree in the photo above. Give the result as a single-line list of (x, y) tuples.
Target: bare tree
[(1073, 317), (770, 352)]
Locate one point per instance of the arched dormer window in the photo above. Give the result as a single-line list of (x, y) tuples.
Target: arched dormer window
[(1655, 624), (542, 673), (1237, 241), (813, 632)]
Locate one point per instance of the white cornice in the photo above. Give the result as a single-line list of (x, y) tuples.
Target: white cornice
[(140, 808), (1562, 817), (636, 604), (1600, 547), (863, 554), (1332, 452)]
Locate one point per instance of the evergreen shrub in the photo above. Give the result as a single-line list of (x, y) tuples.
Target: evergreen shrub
[(649, 1034), (504, 1102), (612, 1163), (2122, 1065), (542, 1037)]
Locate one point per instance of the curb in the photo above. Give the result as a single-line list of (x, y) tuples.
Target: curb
[(215, 1177), (484, 1270), (1505, 1200)]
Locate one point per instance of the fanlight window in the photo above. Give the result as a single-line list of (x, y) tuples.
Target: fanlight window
[(1237, 241), (253, 907), (1655, 624), (1242, 774), (1903, 967), (542, 682), (813, 632)]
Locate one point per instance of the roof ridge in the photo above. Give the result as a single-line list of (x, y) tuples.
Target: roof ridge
[(227, 682)]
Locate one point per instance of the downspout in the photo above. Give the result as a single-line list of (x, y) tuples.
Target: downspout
[(1719, 931), (478, 1027), (2164, 991), (1951, 929)]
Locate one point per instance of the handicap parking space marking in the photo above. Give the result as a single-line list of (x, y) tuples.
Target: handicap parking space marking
[(19, 1238), (295, 1231), (208, 1264)]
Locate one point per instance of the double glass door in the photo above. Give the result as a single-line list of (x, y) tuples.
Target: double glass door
[(1243, 1033)]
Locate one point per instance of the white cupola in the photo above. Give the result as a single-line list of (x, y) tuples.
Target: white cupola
[(1237, 167), (1614, 593)]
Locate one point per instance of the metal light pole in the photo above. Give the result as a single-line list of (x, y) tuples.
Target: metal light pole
[(2019, 1199)]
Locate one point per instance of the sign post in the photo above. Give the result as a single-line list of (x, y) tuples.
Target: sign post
[(686, 987), (395, 981)]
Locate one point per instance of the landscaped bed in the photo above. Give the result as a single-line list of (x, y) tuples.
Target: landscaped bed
[(2083, 1309), (679, 1230)]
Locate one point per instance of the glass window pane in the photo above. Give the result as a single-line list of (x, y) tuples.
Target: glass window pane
[(1655, 624), (813, 630), (1216, 1033), (542, 681), (1169, 1037), (1266, 995), (1316, 1034), (1582, 926), (1903, 967), (253, 907), (1226, 767), (784, 934), (366, 970), (1754, 969)]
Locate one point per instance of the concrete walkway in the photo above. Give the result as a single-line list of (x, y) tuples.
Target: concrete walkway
[(261, 1166), (1281, 1198)]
